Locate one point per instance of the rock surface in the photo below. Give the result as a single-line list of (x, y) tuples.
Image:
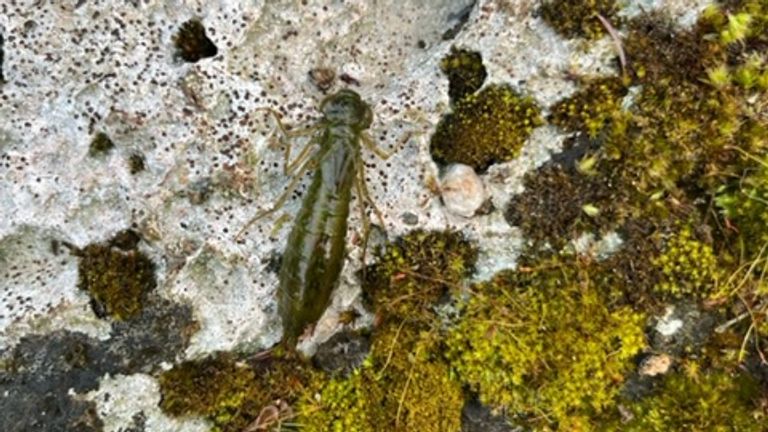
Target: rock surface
[(190, 163)]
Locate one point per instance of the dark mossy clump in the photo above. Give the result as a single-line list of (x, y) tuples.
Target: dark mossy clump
[(590, 108), (416, 271), (116, 275), (192, 44), (100, 144), (466, 72), (631, 269), (485, 128), (579, 18), (233, 392), (715, 401), (136, 163), (559, 203), (535, 342)]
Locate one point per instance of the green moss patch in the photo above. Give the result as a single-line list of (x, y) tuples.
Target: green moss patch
[(416, 271), (465, 71), (116, 275), (484, 128), (579, 18), (233, 393), (699, 402), (542, 343), (591, 108)]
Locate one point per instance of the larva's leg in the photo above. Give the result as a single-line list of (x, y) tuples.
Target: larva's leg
[(363, 216), (382, 154), (363, 190), (290, 167), (306, 166), (285, 139)]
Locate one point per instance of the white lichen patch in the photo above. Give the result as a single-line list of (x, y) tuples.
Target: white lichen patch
[(130, 402), (38, 288)]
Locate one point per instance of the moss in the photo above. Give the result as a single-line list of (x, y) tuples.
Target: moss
[(405, 383), (100, 144), (590, 108), (191, 42), (543, 343), (745, 205), (688, 266), (466, 72), (705, 402), (136, 163), (214, 387), (415, 271), (232, 392), (578, 18), (116, 275), (630, 271), (487, 127), (404, 386), (559, 203)]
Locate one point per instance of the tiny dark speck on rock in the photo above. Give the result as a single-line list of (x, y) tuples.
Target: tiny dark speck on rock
[(1, 59), (192, 44), (322, 77), (409, 218)]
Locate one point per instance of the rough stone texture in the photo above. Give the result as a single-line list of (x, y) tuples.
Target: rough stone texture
[(74, 69)]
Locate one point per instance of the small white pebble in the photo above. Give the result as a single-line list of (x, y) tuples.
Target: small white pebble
[(462, 190), (656, 365), (668, 325)]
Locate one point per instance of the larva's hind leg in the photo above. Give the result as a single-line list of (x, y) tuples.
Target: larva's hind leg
[(365, 197)]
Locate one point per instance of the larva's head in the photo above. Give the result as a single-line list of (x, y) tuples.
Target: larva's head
[(346, 107)]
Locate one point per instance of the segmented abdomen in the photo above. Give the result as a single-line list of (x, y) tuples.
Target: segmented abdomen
[(314, 255)]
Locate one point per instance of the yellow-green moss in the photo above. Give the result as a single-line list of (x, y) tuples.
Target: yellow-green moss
[(465, 71), (100, 144), (745, 204), (590, 108), (578, 18), (544, 343), (704, 403), (231, 393), (116, 275), (403, 386), (689, 267), (484, 128), (215, 387), (415, 271)]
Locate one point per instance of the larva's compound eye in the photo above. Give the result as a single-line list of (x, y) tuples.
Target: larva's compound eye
[(346, 107)]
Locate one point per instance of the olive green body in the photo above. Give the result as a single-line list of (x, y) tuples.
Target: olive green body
[(314, 255)]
